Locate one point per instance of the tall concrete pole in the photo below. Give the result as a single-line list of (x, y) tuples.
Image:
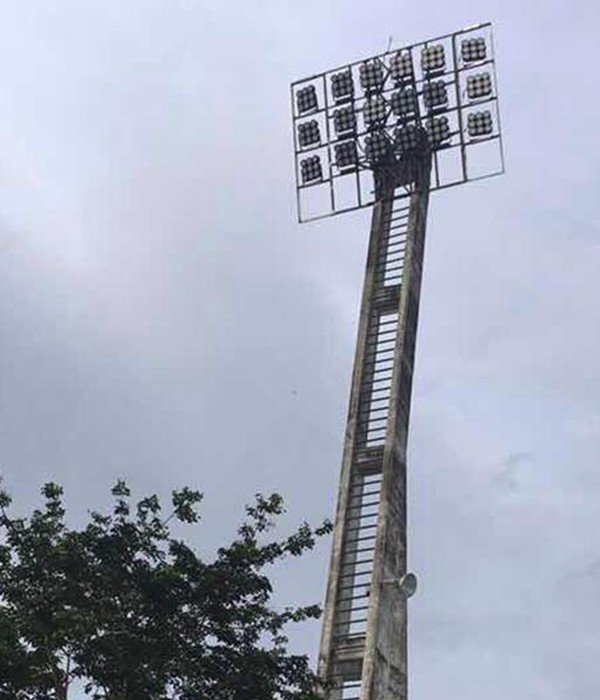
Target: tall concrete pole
[(364, 639)]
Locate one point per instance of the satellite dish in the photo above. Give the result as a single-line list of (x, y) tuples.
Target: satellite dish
[(408, 584)]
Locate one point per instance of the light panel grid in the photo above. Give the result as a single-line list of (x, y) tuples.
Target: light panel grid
[(382, 96)]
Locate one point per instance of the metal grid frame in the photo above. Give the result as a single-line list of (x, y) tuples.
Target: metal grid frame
[(461, 159)]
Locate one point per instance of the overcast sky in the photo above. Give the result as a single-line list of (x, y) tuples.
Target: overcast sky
[(165, 319)]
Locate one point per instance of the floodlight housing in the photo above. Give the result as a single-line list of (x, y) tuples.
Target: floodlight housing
[(433, 59), (438, 131), (404, 102), (435, 94), (479, 85), (372, 75), (473, 50), (344, 120), (401, 67), (375, 112), (309, 133), (342, 86), (377, 147), (346, 154), (407, 138), (306, 99), (480, 124), (311, 169)]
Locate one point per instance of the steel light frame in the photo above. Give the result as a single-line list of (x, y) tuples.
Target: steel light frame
[(458, 159)]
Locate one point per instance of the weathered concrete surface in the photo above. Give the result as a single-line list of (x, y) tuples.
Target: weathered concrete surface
[(367, 655)]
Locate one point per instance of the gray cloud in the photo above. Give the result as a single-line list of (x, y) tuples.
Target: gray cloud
[(159, 306)]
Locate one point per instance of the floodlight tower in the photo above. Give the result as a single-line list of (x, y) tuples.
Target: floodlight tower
[(385, 132)]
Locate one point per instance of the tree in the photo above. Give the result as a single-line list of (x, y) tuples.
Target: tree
[(133, 613)]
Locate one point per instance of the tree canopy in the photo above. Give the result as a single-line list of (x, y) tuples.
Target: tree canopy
[(127, 611)]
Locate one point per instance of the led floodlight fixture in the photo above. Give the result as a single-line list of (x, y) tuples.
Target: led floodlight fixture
[(479, 85), (377, 147), (346, 155), (407, 138), (308, 133), (401, 67), (480, 124), (433, 59), (473, 50), (311, 169), (375, 112), (435, 94), (412, 85), (306, 99), (404, 102), (438, 131), (344, 120), (372, 75), (342, 86)]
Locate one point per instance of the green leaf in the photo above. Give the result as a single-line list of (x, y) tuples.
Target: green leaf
[(132, 612)]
